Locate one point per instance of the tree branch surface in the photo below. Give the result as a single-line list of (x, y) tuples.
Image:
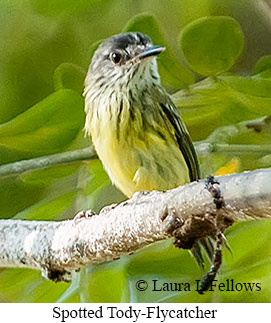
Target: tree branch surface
[(187, 213)]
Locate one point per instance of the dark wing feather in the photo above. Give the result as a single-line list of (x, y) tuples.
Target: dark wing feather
[(187, 148), (184, 142)]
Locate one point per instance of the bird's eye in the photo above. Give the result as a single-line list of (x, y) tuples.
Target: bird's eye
[(115, 58)]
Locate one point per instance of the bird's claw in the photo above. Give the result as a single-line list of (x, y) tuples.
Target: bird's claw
[(83, 215)]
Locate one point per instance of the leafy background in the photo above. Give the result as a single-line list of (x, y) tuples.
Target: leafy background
[(218, 77)]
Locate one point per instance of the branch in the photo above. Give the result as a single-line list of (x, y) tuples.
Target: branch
[(203, 149), (21, 166), (188, 213), (206, 148), (219, 140), (215, 143)]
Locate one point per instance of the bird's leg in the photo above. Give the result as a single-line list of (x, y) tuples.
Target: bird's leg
[(107, 208), (221, 223), (216, 263)]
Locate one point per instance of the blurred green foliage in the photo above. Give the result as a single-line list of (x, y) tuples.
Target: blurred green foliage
[(211, 45), (45, 50)]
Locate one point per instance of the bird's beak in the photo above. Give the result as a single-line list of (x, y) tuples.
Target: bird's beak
[(150, 52)]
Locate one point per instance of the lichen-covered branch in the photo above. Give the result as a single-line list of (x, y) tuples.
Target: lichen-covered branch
[(191, 211)]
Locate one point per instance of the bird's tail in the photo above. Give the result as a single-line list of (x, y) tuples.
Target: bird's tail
[(208, 245)]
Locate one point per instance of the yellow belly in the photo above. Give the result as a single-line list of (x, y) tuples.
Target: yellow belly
[(136, 163)]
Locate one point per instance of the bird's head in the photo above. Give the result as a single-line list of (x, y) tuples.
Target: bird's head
[(124, 60)]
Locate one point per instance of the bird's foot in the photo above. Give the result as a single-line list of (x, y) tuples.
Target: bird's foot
[(82, 215)]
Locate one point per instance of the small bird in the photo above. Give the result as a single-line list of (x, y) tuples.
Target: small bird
[(135, 127)]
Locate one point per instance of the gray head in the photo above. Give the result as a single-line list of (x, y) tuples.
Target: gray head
[(123, 60)]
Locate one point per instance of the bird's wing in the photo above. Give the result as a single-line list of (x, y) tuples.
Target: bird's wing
[(187, 148), (183, 139)]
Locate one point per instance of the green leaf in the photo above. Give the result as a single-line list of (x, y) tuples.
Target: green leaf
[(263, 64), (251, 86), (211, 45), (266, 74), (28, 282), (59, 7), (56, 192), (108, 282), (171, 70), (223, 101), (69, 76), (12, 189), (47, 127), (48, 209)]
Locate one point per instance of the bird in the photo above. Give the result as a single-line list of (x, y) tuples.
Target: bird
[(135, 127)]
